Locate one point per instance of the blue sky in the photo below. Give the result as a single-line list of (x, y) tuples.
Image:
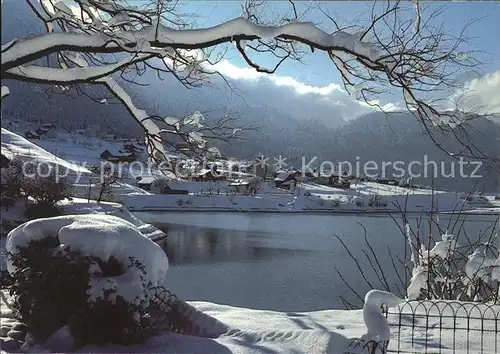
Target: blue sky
[(319, 70)]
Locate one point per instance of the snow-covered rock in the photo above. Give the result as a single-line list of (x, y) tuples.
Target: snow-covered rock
[(101, 236)]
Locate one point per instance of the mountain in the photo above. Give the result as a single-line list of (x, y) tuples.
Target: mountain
[(286, 126)]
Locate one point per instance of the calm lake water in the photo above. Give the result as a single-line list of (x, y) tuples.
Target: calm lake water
[(286, 262)]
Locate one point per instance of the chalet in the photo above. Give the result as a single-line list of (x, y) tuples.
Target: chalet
[(181, 146), (31, 135), (383, 180), (117, 157), (286, 179), (209, 175), (48, 126), (110, 137), (131, 146), (42, 131), (145, 182)]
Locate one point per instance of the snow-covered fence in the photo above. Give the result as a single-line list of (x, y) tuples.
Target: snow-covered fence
[(444, 327)]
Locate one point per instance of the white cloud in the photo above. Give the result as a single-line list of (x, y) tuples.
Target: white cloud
[(237, 73), (332, 94), (481, 94)]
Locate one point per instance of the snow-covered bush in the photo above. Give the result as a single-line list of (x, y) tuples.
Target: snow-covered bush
[(93, 273), (42, 184), (11, 177), (360, 203), (254, 185), (336, 202), (376, 200), (451, 271), (159, 184), (108, 176), (466, 196), (455, 267)]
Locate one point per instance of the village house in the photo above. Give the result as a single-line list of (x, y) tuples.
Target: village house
[(48, 126), (117, 157), (42, 131), (209, 174), (239, 187), (286, 179), (110, 137), (31, 135), (131, 146)]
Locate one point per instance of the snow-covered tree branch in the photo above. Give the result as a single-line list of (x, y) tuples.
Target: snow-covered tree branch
[(395, 50)]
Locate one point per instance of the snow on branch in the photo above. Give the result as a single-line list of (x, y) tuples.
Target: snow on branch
[(5, 91), (43, 74), (153, 140), (391, 51)]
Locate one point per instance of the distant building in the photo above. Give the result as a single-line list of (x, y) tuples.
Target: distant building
[(209, 175), (110, 137), (286, 179), (41, 131), (145, 182), (131, 146), (31, 135), (48, 126), (240, 187), (117, 157)]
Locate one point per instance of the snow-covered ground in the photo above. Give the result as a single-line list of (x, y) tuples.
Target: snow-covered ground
[(328, 331), (359, 198), (15, 145)]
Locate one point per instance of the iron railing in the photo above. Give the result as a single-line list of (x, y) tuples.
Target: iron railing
[(444, 327)]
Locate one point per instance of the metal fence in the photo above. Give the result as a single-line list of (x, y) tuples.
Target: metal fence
[(173, 314), (444, 327)]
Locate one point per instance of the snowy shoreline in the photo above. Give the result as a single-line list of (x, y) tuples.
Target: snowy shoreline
[(443, 203), (486, 212)]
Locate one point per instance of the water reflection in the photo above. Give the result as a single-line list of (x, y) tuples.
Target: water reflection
[(187, 244)]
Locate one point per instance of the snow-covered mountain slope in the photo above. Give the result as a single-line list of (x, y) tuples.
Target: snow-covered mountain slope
[(15, 145), (83, 186)]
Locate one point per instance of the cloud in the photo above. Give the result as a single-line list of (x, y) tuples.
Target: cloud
[(293, 93), (481, 94), (237, 73)]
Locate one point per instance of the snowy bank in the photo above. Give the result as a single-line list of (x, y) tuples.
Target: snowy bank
[(257, 331), (363, 198)]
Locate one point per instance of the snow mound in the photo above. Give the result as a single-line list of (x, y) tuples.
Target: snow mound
[(101, 236)]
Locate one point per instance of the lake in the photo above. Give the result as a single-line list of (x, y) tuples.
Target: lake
[(288, 262)]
